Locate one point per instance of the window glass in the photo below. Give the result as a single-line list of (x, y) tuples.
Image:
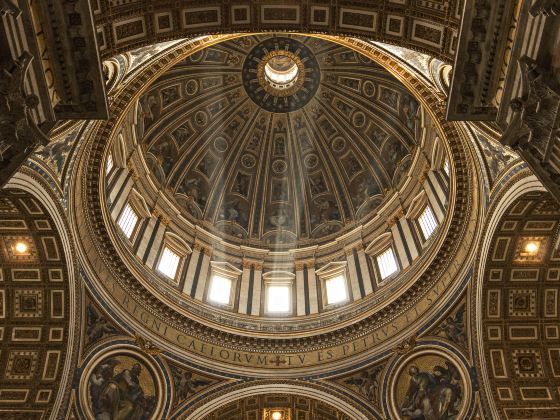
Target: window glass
[(220, 290), (387, 263), (336, 290), (168, 263), (278, 298), (428, 222), (446, 167), (109, 164), (128, 220)]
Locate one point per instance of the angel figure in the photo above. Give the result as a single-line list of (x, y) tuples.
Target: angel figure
[(453, 328), (98, 325), (185, 385)]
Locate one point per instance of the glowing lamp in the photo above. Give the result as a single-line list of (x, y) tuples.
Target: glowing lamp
[(21, 247), (531, 247), (276, 415)]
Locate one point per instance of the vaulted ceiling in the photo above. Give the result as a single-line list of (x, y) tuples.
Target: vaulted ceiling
[(280, 170), (520, 307)]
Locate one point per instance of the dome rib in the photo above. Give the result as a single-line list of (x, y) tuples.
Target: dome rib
[(278, 179)]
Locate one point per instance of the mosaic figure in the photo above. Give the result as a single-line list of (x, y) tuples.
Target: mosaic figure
[(432, 395), (119, 389)]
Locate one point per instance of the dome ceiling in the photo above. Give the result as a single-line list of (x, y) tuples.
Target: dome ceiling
[(278, 141)]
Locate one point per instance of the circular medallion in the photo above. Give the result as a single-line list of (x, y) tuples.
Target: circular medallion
[(196, 56), (429, 383), (122, 381), (338, 144), (359, 119), (220, 144), (369, 88), (248, 161), (201, 118), (191, 87), (281, 74), (279, 166), (311, 161)]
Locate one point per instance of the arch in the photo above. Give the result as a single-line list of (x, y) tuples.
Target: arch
[(417, 205), (466, 202), (178, 242), (524, 183), (139, 203), (379, 243), (320, 393), (26, 180)]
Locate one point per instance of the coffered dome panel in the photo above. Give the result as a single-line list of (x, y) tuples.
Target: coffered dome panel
[(272, 164)]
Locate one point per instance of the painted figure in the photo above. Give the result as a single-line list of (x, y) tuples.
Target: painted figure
[(120, 396), (432, 396), (186, 385), (97, 325)]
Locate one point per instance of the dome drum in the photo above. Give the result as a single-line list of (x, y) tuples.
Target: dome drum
[(256, 182)]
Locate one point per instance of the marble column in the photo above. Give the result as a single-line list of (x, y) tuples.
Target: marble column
[(300, 289), (366, 278), (312, 284), (353, 273)]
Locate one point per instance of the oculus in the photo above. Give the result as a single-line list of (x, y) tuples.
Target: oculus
[(281, 74)]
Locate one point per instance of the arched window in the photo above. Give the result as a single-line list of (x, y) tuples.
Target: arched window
[(173, 255), (427, 222), (128, 221)]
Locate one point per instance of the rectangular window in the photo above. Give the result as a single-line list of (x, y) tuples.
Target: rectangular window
[(109, 164), (128, 220), (336, 290), (446, 167), (168, 263), (387, 263), (428, 222), (278, 299), (220, 290)]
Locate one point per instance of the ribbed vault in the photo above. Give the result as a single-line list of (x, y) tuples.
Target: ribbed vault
[(308, 171)]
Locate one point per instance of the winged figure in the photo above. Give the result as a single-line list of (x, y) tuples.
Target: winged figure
[(185, 384), (97, 325)]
